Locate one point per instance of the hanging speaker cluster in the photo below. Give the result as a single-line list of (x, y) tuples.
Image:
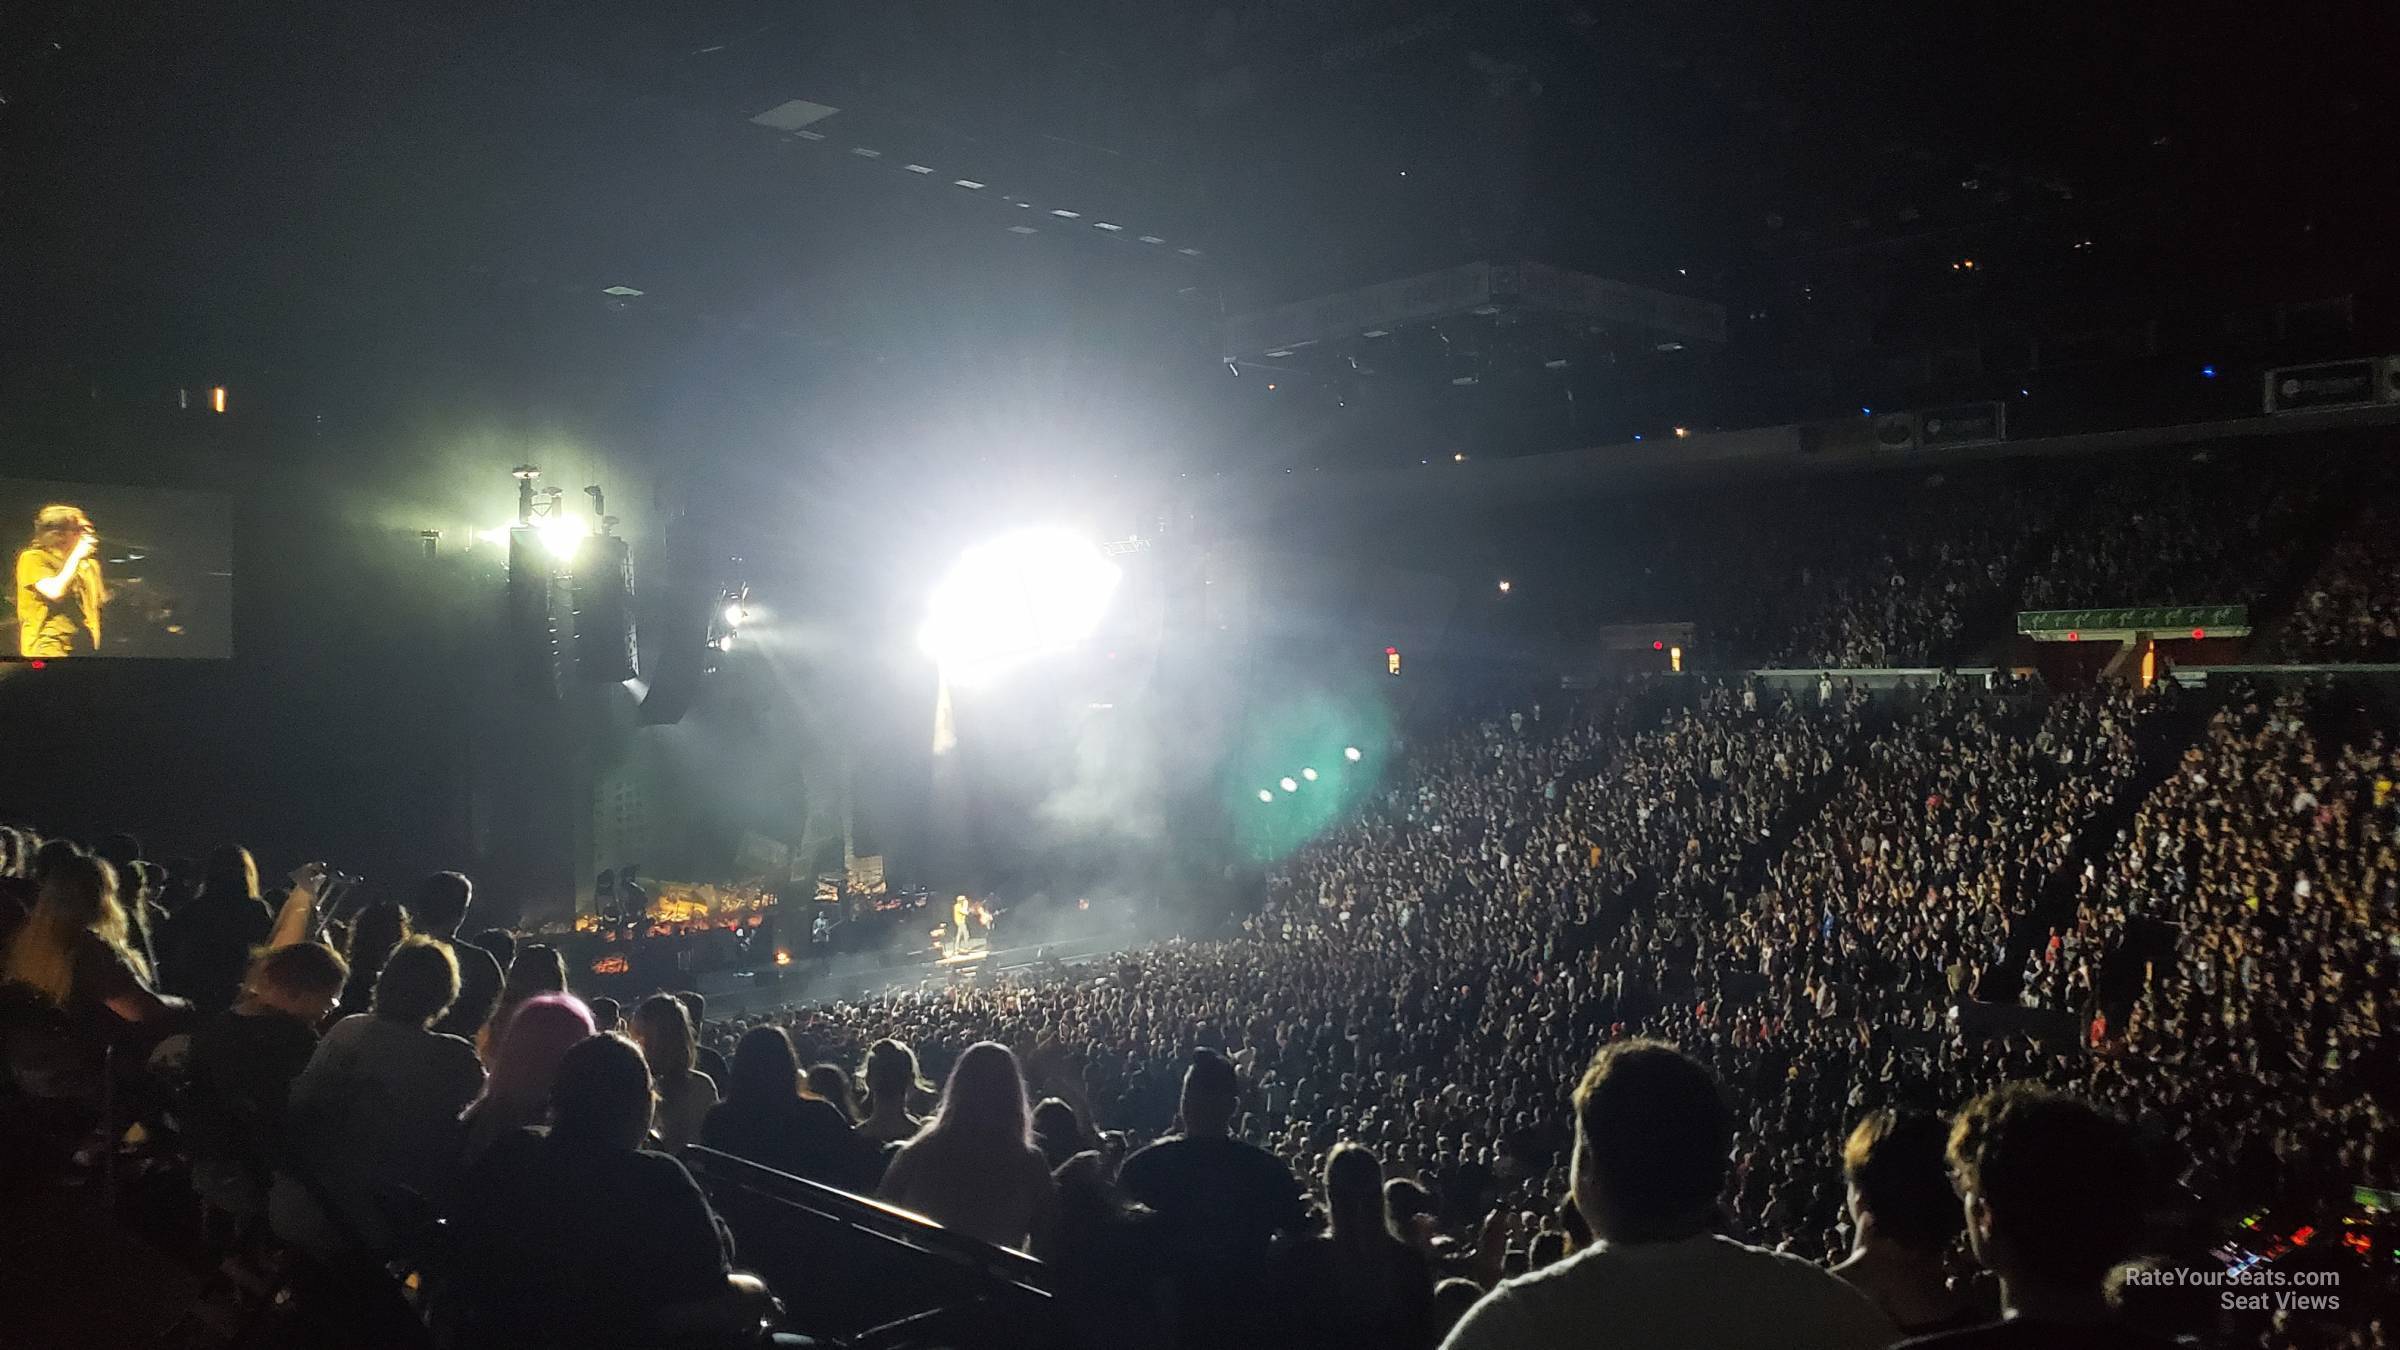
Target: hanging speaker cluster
[(601, 580), (537, 618)]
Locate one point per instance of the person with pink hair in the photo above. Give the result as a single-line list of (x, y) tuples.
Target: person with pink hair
[(540, 1033)]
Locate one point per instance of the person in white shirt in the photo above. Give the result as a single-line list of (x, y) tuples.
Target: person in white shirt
[(1652, 1137)]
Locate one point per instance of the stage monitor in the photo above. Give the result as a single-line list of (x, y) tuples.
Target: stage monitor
[(106, 571)]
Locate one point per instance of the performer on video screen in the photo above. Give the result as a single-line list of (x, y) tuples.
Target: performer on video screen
[(59, 591)]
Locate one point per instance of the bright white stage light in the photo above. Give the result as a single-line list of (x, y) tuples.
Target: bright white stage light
[(734, 615), (1266, 794), (1309, 774), (1351, 753), (562, 535), (1014, 598), (1290, 785)]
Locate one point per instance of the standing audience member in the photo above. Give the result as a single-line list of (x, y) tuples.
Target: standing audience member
[(136, 892), (1358, 1285), (373, 1120), (74, 954), (829, 1082), (1904, 1217), (537, 969), (766, 1118), (501, 943), (1220, 1202), (664, 1031), (439, 908), (206, 946), (1652, 1134), (71, 959), (2053, 1193), (705, 1056), (1058, 1133), (540, 1033), (891, 1076), (240, 1070), (974, 1168), (1100, 1250), (582, 1238), (16, 888), (375, 934)]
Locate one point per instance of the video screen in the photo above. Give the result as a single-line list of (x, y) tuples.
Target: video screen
[(108, 571)]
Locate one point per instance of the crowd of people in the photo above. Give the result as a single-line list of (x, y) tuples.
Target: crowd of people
[(1898, 570), (2346, 610), (1676, 1008)]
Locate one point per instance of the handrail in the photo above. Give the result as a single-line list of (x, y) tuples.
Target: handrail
[(873, 1218)]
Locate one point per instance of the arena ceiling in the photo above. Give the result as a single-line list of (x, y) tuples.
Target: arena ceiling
[(798, 172)]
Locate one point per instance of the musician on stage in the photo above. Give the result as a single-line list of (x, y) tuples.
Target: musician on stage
[(59, 590)]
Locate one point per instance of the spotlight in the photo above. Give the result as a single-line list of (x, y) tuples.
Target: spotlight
[(1289, 785), (1266, 794), (1309, 774), (1014, 598), (1352, 754), (735, 615), (562, 535), (724, 643), (1507, 586)]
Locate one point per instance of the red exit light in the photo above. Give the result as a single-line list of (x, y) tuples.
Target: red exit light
[(1658, 646)]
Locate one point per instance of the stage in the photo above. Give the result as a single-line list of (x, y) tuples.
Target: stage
[(737, 993)]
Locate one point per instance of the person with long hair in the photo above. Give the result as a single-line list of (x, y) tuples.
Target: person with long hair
[(664, 1031), (892, 1077), (1359, 1284), (766, 1117), (974, 1167), (535, 970), (205, 948), (73, 953), (375, 934), (540, 1033)]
